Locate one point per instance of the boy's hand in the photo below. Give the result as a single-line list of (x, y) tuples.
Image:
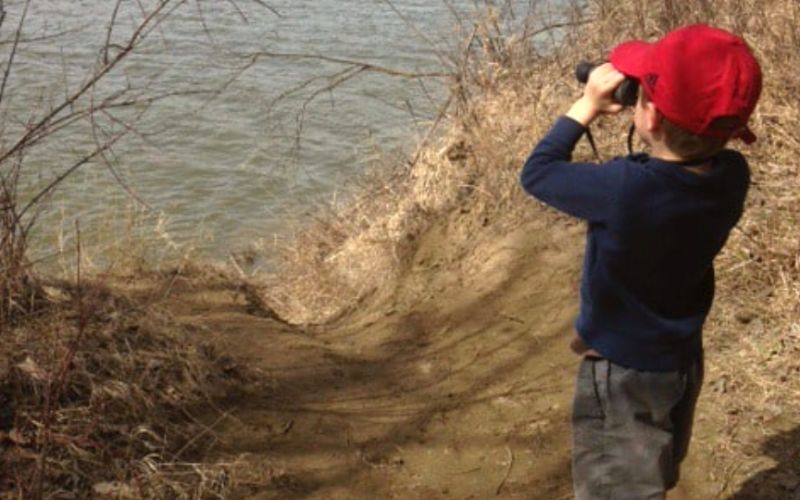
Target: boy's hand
[(581, 348), (597, 96)]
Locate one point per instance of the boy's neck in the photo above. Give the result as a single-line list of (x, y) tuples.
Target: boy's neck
[(661, 152)]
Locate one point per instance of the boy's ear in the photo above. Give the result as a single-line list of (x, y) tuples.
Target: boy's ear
[(652, 117)]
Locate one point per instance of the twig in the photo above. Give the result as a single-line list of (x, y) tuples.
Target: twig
[(439, 117), (67, 172), (236, 266), (157, 20), (303, 85), (103, 156), (2, 12), (203, 22), (238, 10), (365, 66), (13, 48), (553, 26), (442, 58), (345, 76), (268, 7), (99, 74), (510, 460), (207, 429), (110, 29), (353, 69), (45, 38), (454, 13)]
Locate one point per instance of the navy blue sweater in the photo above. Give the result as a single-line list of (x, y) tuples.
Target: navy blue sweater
[(654, 230)]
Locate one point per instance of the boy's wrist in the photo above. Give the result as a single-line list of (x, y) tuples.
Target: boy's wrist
[(583, 111)]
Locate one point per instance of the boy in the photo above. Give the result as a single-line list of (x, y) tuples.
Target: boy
[(656, 222)]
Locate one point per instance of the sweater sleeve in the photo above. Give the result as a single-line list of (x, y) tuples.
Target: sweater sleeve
[(584, 190)]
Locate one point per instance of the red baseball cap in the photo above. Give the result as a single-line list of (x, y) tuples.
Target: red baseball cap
[(703, 79)]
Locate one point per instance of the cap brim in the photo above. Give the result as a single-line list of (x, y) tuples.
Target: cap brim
[(629, 58)]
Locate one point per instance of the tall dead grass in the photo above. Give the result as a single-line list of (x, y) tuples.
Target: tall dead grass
[(104, 395), (508, 91)]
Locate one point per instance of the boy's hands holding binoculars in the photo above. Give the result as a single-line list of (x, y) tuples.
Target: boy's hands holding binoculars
[(598, 95)]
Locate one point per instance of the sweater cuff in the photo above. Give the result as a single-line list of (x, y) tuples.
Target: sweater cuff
[(568, 129)]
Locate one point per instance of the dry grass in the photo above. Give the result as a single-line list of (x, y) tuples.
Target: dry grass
[(100, 393), (508, 94)]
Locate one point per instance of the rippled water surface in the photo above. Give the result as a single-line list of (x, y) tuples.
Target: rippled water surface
[(221, 171)]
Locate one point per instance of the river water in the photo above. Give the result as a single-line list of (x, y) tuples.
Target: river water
[(220, 172)]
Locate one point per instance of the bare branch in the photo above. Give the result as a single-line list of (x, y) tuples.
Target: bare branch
[(161, 17), (202, 16), (105, 159), (2, 12), (45, 38), (75, 166), (110, 29), (98, 75), (439, 117), (352, 69), (238, 10), (156, 25), (110, 103), (10, 62), (443, 58), (268, 7), (303, 85), (344, 76), (554, 26), (364, 66), (455, 14)]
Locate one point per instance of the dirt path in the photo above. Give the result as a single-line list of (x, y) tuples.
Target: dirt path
[(458, 387)]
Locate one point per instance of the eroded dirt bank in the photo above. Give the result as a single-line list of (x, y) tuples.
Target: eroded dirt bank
[(458, 386)]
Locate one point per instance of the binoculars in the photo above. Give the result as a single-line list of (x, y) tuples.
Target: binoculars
[(627, 92)]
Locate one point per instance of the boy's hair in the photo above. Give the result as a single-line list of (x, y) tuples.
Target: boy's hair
[(684, 143), (690, 146)]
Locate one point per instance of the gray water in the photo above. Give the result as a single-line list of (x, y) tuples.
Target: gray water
[(220, 173)]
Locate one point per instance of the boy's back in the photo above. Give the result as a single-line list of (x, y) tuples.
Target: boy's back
[(655, 228)]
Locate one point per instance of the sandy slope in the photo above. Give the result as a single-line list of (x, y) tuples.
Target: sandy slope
[(458, 386)]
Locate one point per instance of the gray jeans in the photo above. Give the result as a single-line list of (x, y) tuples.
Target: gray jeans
[(631, 429)]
